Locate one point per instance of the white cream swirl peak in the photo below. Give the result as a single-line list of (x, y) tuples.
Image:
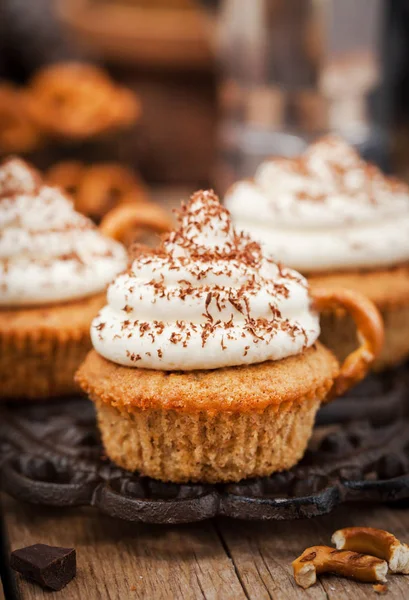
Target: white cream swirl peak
[(206, 298), (48, 252), (326, 210)]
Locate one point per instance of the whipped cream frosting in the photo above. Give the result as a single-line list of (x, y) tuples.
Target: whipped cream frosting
[(325, 210), (48, 252), (205, 298)]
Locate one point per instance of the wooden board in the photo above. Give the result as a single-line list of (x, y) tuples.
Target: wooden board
[(118, 560), (224, 559)]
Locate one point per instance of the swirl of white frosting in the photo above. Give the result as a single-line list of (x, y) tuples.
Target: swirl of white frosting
[(48, 252), (206, 298), (325, 210)]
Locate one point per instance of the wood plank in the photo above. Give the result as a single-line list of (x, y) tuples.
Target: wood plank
[(5, 580), (118, 560), (2, 596), (263, 552)]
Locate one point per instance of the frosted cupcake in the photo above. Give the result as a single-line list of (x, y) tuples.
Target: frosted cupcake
[(342, 223), (55, 266), (206, 363)]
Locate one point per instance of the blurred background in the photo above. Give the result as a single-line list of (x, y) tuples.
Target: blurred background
[(193, 94)]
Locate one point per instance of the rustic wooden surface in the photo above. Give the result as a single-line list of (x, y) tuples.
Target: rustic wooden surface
[(220, 559)]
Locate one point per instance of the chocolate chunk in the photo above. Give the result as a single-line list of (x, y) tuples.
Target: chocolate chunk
[(50, 566)]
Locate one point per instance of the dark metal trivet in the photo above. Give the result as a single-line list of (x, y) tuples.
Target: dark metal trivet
[(51, 455), (378, 398)]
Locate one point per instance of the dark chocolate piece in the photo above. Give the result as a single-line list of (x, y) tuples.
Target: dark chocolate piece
[(50, 566)]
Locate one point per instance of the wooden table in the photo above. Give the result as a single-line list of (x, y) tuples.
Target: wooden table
[(219, 559)]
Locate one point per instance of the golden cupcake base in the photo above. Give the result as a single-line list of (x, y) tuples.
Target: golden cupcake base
[(42, 347), (389, 290), (177, 447), (209, 426)]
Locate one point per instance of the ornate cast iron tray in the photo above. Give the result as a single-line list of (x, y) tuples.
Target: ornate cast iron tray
[(50, 454)]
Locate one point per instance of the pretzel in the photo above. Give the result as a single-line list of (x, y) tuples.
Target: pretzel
[(17, 132), (370, 331), (380, 588), (77, 101), (98, 188), (143, 216), (323, 559), (376, 542)]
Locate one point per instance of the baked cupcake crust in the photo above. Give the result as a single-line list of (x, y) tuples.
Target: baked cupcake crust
[(42, 347), (231, 389), (385, 287), (205, 446), (59, 319), (209, 426)]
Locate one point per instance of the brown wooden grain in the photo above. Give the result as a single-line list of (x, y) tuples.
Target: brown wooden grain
[(117, 560), (263, 552), (221, 559)]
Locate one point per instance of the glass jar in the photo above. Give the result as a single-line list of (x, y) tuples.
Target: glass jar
[(293, 70)]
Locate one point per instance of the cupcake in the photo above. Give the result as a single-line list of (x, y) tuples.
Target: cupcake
[(342, 223), (55, 266), (206, 363)]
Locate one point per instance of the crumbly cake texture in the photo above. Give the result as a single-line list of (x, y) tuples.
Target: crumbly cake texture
[(389, 290), (42, 347), (179, 447), (211, 426)]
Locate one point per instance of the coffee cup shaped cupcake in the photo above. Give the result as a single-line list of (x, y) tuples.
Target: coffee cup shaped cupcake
[(55, 266), (341, 223), (206, 363)]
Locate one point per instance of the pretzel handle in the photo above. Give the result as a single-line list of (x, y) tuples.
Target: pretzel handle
[(144, 216), (369, 325)]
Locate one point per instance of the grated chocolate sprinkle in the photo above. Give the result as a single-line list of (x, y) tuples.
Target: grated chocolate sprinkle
[(222, 272)]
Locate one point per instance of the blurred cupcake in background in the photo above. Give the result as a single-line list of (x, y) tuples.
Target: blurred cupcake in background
[(55, 265), (342, 223)]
